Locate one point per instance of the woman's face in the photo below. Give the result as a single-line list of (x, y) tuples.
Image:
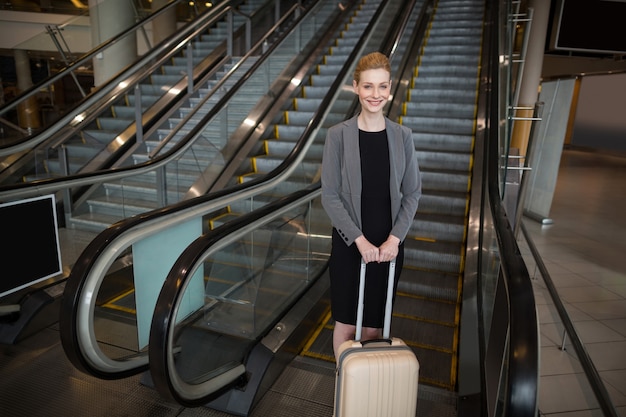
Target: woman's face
[(373, 89)]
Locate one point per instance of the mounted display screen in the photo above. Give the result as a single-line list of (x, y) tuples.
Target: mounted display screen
[(30, 250), (589, 26)]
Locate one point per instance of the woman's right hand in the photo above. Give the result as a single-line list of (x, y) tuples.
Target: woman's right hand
[(369, 252)]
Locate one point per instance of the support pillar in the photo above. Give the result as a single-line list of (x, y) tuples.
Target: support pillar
[(109, 18), (531, 76), (28, 110)]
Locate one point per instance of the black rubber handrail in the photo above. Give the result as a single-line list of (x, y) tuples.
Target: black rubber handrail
[(522, 372), (173, 290)]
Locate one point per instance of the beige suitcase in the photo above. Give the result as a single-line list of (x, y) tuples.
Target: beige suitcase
[(376, 378)]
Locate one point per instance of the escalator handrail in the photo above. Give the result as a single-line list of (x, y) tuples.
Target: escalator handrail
[(162, 364), (51, 185), (170, 45), (522, 377), (14, 102), (77, 333)]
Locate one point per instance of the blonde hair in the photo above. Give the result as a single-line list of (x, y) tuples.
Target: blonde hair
[(375, 60)]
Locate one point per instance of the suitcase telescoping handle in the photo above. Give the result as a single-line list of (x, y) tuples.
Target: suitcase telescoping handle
[(388, 303)]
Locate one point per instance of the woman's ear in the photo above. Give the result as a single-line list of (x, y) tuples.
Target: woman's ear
[(354, 86)]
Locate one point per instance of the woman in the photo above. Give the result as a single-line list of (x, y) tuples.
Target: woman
[(370, 189)]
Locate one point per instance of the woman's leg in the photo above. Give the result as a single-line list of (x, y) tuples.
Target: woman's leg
[(341, 333), (370, 333), (344, 332)]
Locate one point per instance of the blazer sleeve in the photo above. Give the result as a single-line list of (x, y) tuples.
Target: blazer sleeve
[(334, 199), (410, 188)]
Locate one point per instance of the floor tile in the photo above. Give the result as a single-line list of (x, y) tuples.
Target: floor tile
[(559, 393), (587, 293), (617, 289), (555, 361), (619, 325), (604, 310), (584, 253), (617, 379), (608, 356), (595, 332)]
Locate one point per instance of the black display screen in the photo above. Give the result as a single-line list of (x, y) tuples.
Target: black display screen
[(30, 243), (590, 25)]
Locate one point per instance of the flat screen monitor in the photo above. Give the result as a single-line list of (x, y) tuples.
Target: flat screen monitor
[(30, 251), (595, 26)]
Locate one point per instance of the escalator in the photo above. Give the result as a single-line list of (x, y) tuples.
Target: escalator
[(129, 120), (241, 299), (207, 41), (100, 365), (248, 268), (440, 109), (230, 292), (119, 298), (117, 260)]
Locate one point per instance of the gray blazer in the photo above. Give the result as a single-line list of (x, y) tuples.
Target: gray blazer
[(341, 179)]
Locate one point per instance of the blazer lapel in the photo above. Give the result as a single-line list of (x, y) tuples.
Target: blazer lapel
[(352, 156)]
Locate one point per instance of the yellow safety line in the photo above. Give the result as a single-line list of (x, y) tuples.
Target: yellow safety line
[(219, 216), (315, 355), (436, 383), (429, 347), (112, 306), (317, 331), (324, 325), (455, 341), (424, 239)]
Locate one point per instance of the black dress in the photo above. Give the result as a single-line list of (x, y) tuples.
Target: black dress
[(345, 260)]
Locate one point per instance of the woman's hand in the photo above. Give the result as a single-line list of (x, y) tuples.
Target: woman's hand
[(389, 249), (385, 253), (369, 252)]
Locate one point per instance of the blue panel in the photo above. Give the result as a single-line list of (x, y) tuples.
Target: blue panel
[(152, 260)]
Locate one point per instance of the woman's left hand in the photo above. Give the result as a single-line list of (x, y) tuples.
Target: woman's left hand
[(389, 249)]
